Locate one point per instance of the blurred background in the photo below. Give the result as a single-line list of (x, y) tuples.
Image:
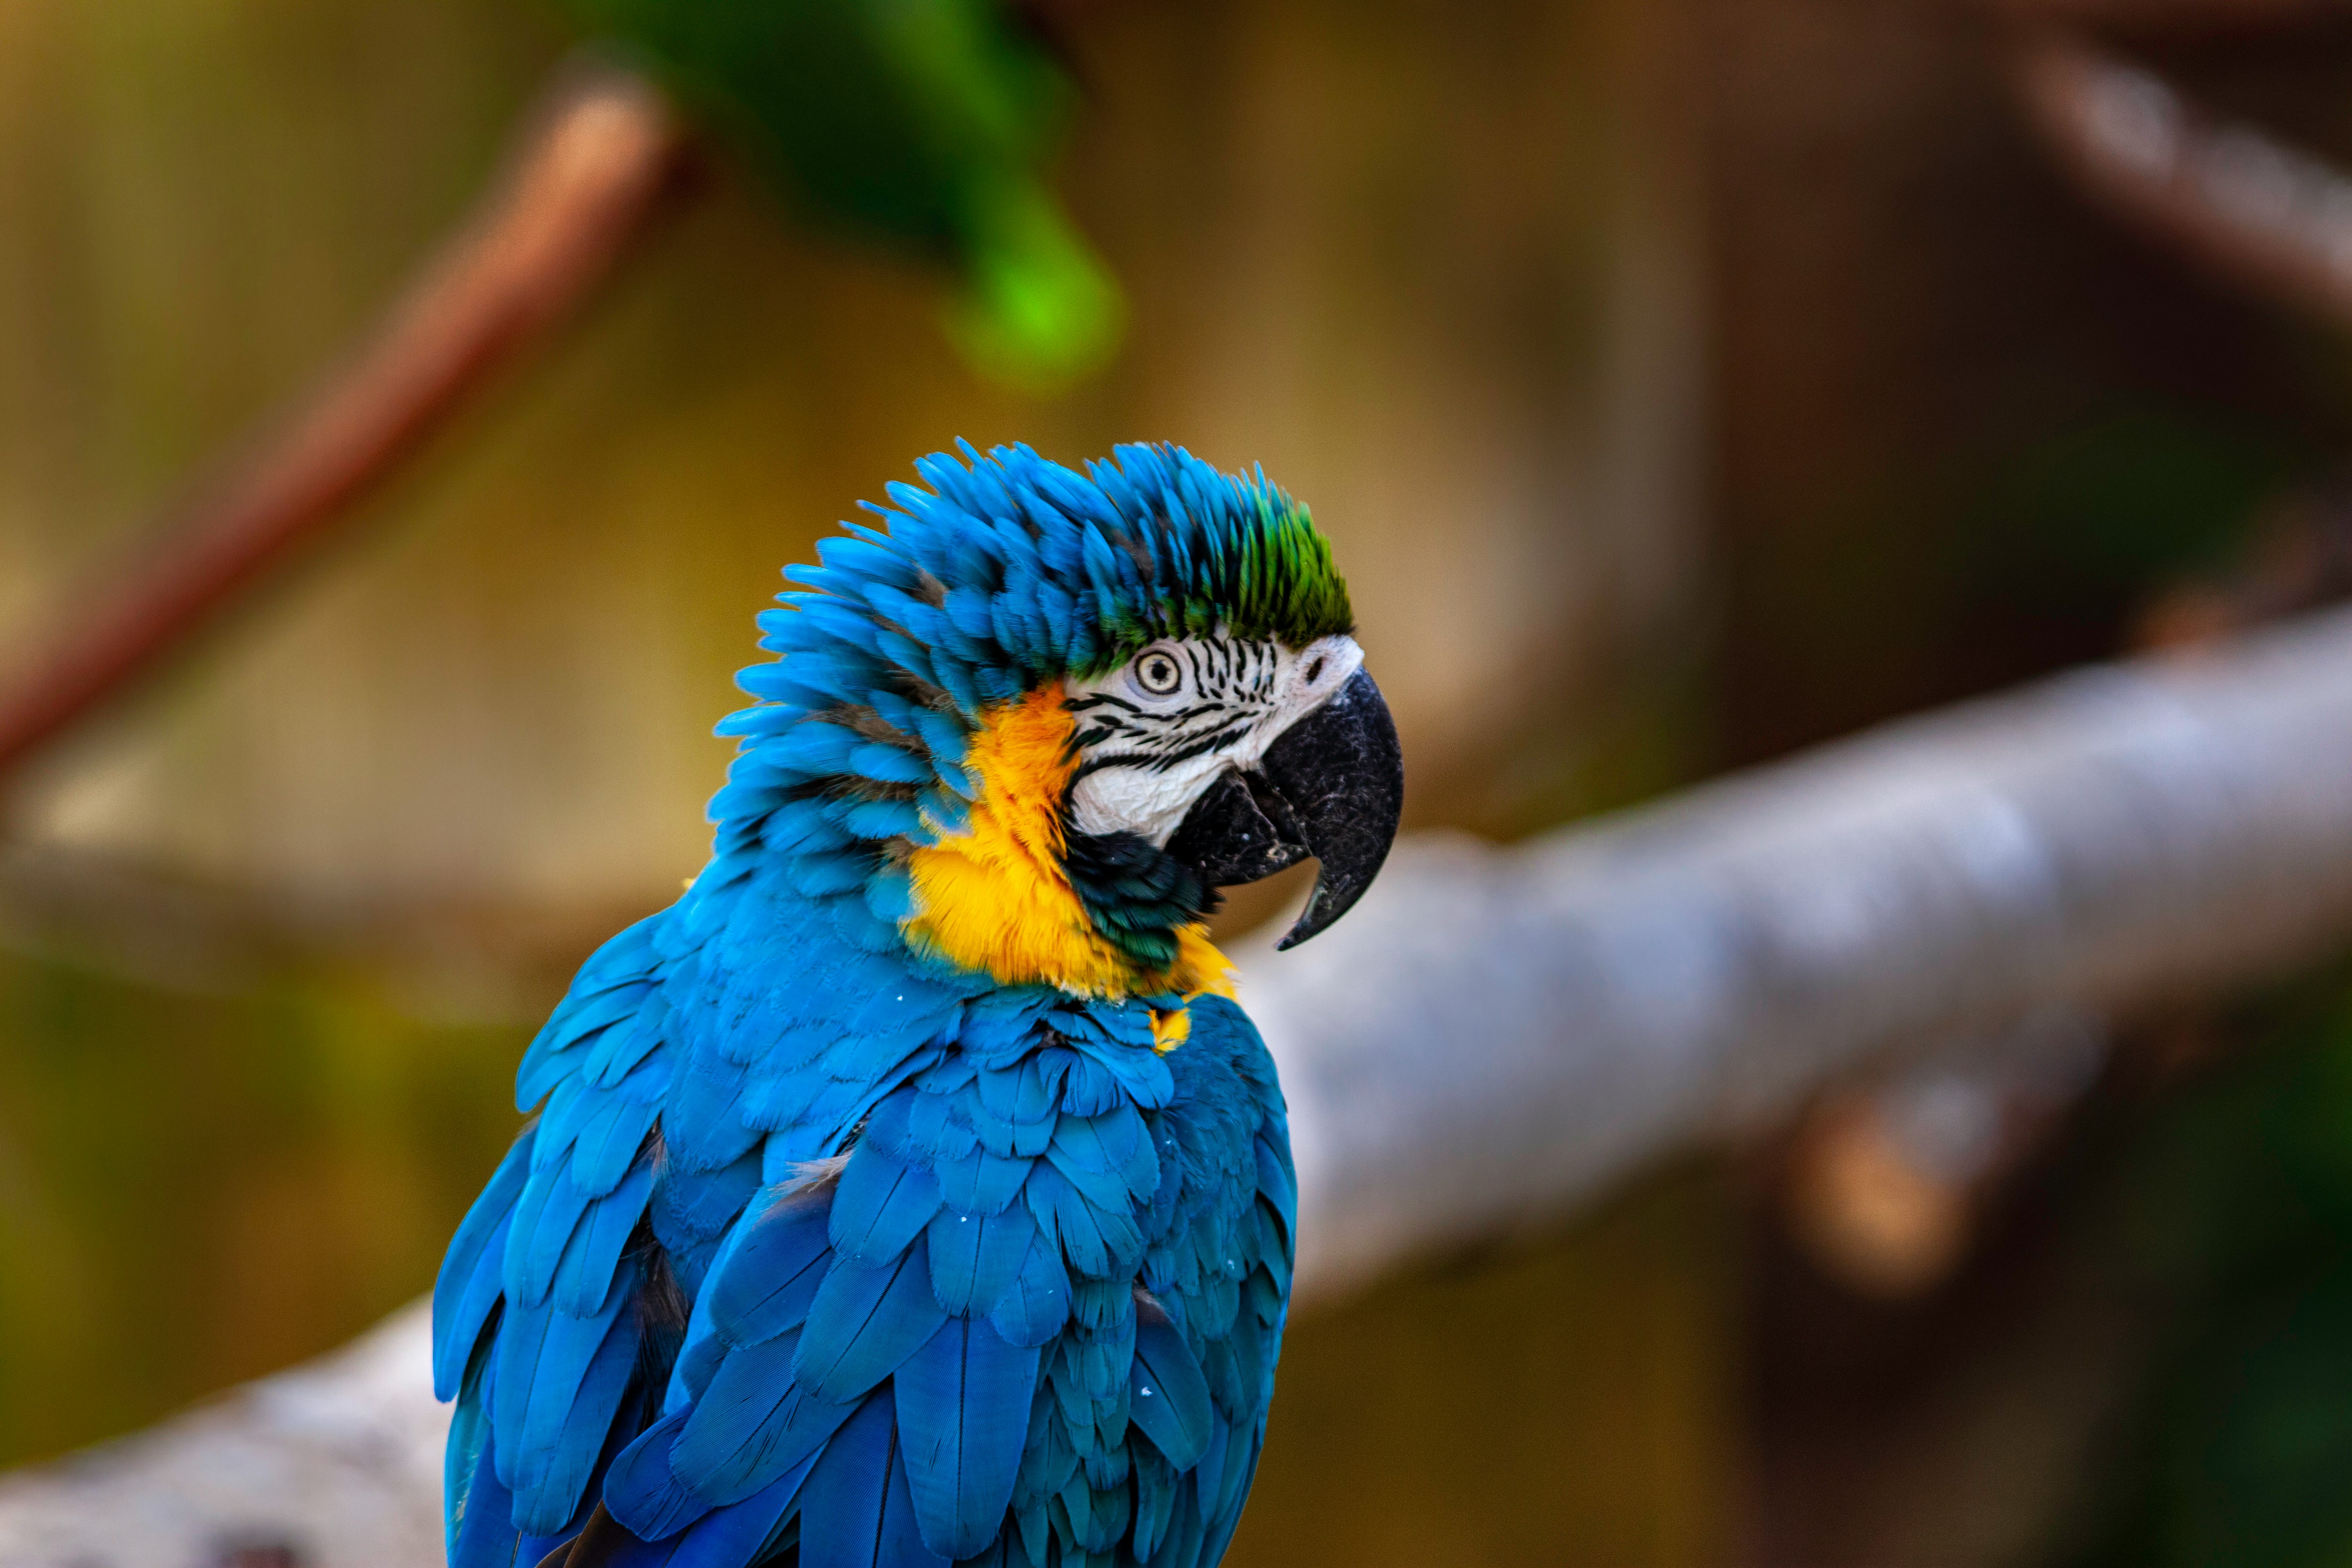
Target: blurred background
[(1683, 383)]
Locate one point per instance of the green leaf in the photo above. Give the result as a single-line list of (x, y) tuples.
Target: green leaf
[(920, 124)]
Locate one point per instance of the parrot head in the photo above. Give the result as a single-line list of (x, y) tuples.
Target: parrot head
[(1031, 724)]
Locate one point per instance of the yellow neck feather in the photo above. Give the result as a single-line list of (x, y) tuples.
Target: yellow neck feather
[(996, 898)]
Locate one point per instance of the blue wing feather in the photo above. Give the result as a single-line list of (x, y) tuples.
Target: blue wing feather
[(982, 1182), (938, 1355), (1156, 1483), (1168, 1396), (550, 1480), (569, 1106), (1277, 1185), (848, 1515), (975, 1257), (1181, 1548), (550, 1369), (730, 1537), (691, 1211), (700, 1123), (1219, 1532), (642, 1490), (589, 1270), (866, 1321), (751, 1425), (932, 1133), (880, 1206), (610, 1144), (485, 1536), (1106, 1179), (768, 1274), (700, 1206), (901, 1544), (620, 1048), (1037, 1303), (551, 1209), (469, 1280), (964, 1411)]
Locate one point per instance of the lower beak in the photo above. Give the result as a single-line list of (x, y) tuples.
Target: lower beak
[(1330, 787)]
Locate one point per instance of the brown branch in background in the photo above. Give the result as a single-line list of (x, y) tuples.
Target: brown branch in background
[(583, 180), (2232, 197), (2176, 20)]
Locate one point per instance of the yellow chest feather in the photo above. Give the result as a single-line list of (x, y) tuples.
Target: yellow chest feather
[(996, 898)]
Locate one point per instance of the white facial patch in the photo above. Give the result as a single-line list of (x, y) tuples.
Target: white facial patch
[(1156, 732)]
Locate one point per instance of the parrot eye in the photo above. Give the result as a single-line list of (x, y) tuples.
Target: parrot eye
[(1157, 673)]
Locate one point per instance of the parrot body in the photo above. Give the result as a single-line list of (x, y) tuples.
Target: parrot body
[(912, 1191)]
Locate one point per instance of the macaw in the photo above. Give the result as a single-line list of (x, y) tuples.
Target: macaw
[(913, 1191)]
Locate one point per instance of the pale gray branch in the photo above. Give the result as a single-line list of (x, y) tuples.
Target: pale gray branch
[(333, 1465), (1495, 1035)]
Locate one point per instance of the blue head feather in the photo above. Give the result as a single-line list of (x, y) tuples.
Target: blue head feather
[(1008, 572)]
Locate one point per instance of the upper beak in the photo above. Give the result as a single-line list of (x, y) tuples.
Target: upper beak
[(1331, 787)]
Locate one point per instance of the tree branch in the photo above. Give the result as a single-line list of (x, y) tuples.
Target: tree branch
[(2234, 199), (1494, 1035), (333, 1465), (582, 183), (2175, 20)]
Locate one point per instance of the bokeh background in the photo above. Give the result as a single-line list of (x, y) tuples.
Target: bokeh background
[(1683, 382)]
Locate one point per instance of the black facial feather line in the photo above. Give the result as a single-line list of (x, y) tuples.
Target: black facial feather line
[(1233, 682), (1136, 894)]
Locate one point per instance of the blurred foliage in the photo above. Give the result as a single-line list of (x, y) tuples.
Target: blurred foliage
[(2012, 555), (2083, 524), (2232, 1226), (920, 122), (196, 1189)]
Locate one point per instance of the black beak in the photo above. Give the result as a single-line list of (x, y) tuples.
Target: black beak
[(1330, 787)]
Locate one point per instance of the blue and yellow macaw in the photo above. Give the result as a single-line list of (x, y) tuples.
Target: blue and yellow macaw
[(912, 1191)]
